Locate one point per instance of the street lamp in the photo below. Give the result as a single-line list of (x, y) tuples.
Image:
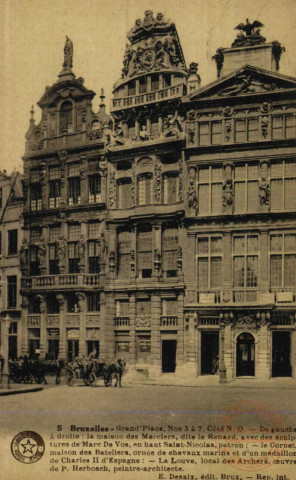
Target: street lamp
[(5, 324)]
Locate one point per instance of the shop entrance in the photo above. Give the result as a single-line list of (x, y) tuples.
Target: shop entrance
[(169, 349), (73, 348), (281, 346), (245, 355), (209, 353), (93, 348), (12, 347)]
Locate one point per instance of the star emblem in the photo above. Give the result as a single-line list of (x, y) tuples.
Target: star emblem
[(28, 446)]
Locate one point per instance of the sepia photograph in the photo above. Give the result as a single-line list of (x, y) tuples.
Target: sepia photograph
[(148, 240)]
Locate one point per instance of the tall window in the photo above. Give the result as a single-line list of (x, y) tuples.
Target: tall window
[(123, 252), (290, 126), (124, 189), (283, 185), (12, 242), (283, 260), (210, 190), (35, 196), (143, 84), (154, 82), (131, 88), (53, 260), (131, 128), (94, 188), (154, 127), (246, 191), (277, 127), (252, 129), (145, 186), (209, 262), (93, 302), (210, 133), (34, 263), (240, 130), (54, 193), (245, 261), (74, 191), (73, 254), (144, 248), (11, 291), (170, 188), (72, 303), (93, 256), (66, 118), (169, 251)]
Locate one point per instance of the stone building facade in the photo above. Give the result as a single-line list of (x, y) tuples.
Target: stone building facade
[(165, 233), (11, 235)]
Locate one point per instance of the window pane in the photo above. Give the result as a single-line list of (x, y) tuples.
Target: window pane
[(290, 169), (203, 175), (239, 271), (217, 198), (240, 130), (253, 197), (239, 244), (276, 188), (216, 133), (276, 169), (203, 273), (240, 172), (203, 245), (252, 271), (253, 172), (203, 195), (216, 264), (216, 245), (204, 133), (216, 174), (276, 270), (252, 244), (290, 126), (290, 271), (290, 243), (252, 129), (277, 127), (239, 196), (290, 193), (276, 243)]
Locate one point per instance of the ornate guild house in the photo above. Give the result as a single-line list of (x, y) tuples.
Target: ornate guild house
[(164, 233)]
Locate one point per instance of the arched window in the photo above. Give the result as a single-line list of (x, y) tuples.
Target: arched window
[(66, 118)]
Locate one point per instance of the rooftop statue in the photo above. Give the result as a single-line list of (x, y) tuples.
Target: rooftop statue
[(68, 54), (249, 34)]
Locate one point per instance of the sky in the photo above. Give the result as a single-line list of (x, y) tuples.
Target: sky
[(33, 36)]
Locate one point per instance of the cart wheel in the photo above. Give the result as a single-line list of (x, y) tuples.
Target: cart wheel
[(86, 381), (92, 379), (70, 381)]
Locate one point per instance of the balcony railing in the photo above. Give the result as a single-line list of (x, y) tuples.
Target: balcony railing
[(62, 281), (121, 322), (169, 321), (144, 98)]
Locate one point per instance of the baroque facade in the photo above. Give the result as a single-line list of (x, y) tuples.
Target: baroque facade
[(165, 233)]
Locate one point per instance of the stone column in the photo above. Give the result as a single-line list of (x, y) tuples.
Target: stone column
[(180, 336), (43, 337), (156, 246), (155, 369), (83, 180), (24, 325), (190, 344), (132, 315), (63, 332), (262, 352), (227, 268), (263, 282), (82, 329)]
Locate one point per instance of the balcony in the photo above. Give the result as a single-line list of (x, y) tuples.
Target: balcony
[(145, 98), (169, 321), (52, 282), (121, 322)]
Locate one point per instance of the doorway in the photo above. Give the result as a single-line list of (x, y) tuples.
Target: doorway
[(12, 347), (169, 349), (209, 353), (281, 346), (93, 348), (53, 349), (73, 348), (245, 355)]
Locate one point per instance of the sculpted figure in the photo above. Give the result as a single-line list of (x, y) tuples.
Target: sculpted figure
[(264, 191), (81, 248), (227, 192), (68, 53)]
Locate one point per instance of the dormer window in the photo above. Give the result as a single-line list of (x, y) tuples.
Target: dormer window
[(66, 118)]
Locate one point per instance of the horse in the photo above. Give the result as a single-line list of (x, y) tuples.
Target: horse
[(115, 369)]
